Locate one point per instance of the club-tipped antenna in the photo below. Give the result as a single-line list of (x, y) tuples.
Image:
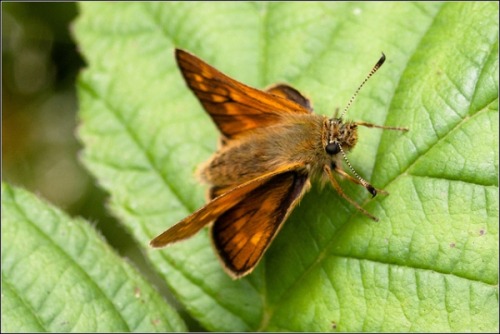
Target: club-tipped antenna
[(363, 182), (372, 72)]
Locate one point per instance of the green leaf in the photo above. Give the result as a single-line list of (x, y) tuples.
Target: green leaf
[(58, 275), (430, 264)]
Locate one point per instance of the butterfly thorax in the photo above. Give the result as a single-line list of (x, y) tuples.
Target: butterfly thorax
[(298, 138)]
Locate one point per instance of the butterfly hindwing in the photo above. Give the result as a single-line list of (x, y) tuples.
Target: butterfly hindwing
[(292, 94), (242, 234)]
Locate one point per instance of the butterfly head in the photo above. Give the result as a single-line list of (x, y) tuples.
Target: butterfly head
[(342, 136)]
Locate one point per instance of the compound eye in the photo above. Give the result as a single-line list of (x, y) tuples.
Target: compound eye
[(332, 148)]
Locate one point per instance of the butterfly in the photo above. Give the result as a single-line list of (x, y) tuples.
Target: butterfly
[(272, 144)]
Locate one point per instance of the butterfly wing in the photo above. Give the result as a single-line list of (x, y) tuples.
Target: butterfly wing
[(287, 92), (215, 208), (242, 233), (292, 94), (234, 107)]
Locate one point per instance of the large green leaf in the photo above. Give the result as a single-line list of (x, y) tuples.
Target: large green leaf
[(58, 275), (431, 262)]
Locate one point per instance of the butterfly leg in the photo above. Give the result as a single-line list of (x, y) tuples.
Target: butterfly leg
[(370, 125), (353, 179), (339, 190)]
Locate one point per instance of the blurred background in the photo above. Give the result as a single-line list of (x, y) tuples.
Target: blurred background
[(40, 64), (40, 151)]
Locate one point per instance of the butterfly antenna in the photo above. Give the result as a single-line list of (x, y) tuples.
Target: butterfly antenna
[(372, 72), (363, 182)]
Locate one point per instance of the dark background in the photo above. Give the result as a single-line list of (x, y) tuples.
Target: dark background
[(40, 64)]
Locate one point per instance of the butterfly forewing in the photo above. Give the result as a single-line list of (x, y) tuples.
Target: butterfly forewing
[(234, 107), (243, 233), (215, 208)]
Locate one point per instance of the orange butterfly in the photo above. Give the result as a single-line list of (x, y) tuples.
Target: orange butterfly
[(271, 145)]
